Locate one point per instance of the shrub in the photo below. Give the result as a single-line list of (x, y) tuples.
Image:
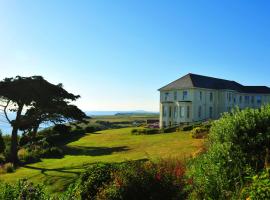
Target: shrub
[(24, 140), (9, 168), (2, 159), (163, 180), (130, 180), (145, 131), (237, 142), (134, 131), (259, 187), (151, 131), (62, 129), (28, 156), (87, 186), (22, 190), (78, 131), (170, 129), (92, 129), (53, 152), (186, 128), (199, 132), (2, 143)]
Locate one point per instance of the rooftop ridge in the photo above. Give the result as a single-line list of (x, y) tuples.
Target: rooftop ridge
[(192, 80)]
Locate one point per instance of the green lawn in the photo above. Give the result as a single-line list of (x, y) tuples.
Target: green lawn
[(115, 145)]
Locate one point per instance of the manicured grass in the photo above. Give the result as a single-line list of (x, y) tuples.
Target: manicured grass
[(114, 145)]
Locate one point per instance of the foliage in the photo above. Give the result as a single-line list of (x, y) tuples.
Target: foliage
[(27, 156), (259, 187), (169, 129), (22, 190), (90, 181), (186, 127), (2, 159), (92, 129), (237, 142), (78, 132), (2, 143), (8, 167), (134, 131), (199, 132), (53, 152), (34, 100), (138, 180), (145, 131), (131, 180), (62, 129)]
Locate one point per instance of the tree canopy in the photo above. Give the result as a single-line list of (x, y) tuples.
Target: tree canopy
[(35, 100)]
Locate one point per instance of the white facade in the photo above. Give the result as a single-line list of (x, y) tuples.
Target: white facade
[(187, 105)]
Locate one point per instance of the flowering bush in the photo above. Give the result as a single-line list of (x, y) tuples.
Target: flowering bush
[(131, 180)]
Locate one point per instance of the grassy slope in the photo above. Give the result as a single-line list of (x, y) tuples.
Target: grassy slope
[(109, 146)]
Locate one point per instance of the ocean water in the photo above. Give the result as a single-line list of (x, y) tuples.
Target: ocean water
[(6, 128)]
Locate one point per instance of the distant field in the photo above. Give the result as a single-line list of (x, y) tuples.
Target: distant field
[(119, 118), (114, 145)]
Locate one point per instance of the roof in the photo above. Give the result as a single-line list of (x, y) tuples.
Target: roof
[(199, 81)]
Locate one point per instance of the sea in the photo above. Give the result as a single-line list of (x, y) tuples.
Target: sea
[(6, 128)]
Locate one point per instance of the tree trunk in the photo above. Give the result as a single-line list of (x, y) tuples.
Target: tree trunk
[(14, 137), (14, 146)]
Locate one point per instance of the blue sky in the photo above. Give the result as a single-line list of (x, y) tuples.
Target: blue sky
[(116, 54)]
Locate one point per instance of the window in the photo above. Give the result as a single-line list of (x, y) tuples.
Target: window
[(234, 99), (181, 111), (211, 112), (175, 95), (259, 99), (246, 99), (175, 112), (200, 112), (200, 95), (240, 99), (187, 111), (166, 96), (185, 93), (170, 111), (164, 111), (252, 99), (211, 96), (230, 97)]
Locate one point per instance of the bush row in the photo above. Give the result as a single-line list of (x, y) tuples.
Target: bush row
[(132, 180), (145, 131)]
